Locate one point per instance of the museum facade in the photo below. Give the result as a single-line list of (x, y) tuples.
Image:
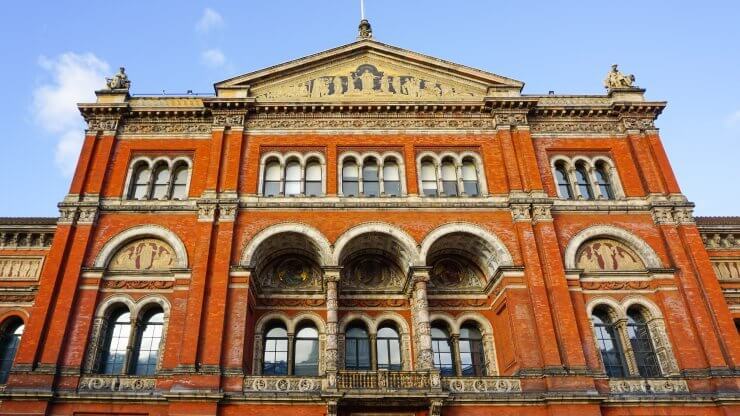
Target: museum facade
[(371, 231)]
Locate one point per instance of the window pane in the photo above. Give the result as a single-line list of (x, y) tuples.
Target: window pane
[(357, 349), (370, 184), (313, 179), (390, 172), (9, 342), (468, 171), (448, 172), (389, 349), (428, 179), (293, 178), (272, 188), (119, 330), (611, 353), (149, 341), (313, 171), (161, 183), (306, 357), (371, 188), (563, 184), (275, 360), (449, 188), (350, 181), (272, 171), (442, 352), (141, 183), (314, 188), (471, 188), (349, 170), (181, 183), (605, 186), (642, 345), (584, 186), (392, 188)]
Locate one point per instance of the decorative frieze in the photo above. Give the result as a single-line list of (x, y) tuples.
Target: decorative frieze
[(481, 385), (616, 285), (311, 121), (228, 120), (721, 240), (116, 384), (20, 267), (510, 119), (539, 126), (727, 269), (266, 384), (14, 239), (139, 284), (630, 123), (155, 125), (109, 124), (648, 386)]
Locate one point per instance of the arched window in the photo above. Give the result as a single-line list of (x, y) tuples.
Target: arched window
[(388, 349), (472, 359), (116, 343), (391, 178), (293, 178), (428, 178), (161, 182), (602, 180), (275, 360), (146, 351), (140, 184), (442, 351), (606, 338), (583, 183), (357, 349), (449, 178), (180, 182), (10, 338), (314, 183), (370, 179), (470, 178), (271, 181), (642, 344), (561, 177), (350, 178), (306, 356)]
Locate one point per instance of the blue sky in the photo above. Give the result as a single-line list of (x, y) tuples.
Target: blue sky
[(57, 52)]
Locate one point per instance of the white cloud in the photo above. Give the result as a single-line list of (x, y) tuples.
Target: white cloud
[(213, 58), (210, 20), (74, 79), (734, 119)]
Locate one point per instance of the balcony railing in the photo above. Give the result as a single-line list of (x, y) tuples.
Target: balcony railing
[(383, 380)]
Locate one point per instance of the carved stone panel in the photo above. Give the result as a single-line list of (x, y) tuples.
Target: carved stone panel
[(368, 272), (454, 273), (147, 254), (20, 267), (290, 272), (727, 269), (606, 255)]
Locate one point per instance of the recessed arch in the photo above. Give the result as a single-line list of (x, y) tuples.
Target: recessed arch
[(313, 235), (447, 319), (308, 317), (643, 249), (355, 317), (264, 320), (143, 231), (406, 242), (104, 307)]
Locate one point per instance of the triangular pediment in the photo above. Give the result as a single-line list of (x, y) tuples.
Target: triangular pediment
[(367, 71)]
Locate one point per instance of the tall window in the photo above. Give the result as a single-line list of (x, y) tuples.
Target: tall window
[(271, 182), (161, 182), (388, 349), (350, 179), (10, 338), (442, 351), (428, 178), (391, 178), (370, 179), (275, 360), (313, 179), (470, 178), (602, 180), (561, 177), (293, 178), (148, 340), (449, 178), (180, 182), (140, 187), (472, 361), (357, 349), (116, 345), (583, 183), (606, 338), (306, 360), (642, 345)]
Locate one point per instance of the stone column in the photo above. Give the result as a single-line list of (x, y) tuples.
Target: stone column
[(331, 278), (455, 347), (420, 319)]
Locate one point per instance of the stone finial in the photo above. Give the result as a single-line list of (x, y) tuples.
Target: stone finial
[(118, 81), (365, 30), (616, 79)]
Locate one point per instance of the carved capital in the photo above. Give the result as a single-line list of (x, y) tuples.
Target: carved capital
[(510, 119), (87, 215), (521, 212), (227, 212), (684, 215), (541, 213), (663, 216), (206, 211), (67, 215)]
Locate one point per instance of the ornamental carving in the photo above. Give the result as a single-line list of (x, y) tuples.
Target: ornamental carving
[(292, 302), (648, 386), (20, 267), (372, 303), (102, 124), (147, 254), (25, 239), (575, 126), (167, 125), (616, 79), (365, 121), (117, 384), (727, 269), (119, 81), (458, 303), (721, 240), (616, 285), (366, 81), (281, 385), (454, 273), (606, 255), (481, 385), (372, 272), (138, 284), (17, 297), (290, 272), (639, 123)]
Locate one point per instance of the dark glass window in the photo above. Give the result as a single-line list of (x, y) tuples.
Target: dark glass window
[(9, 341), (140, 187), (149, 339), (357, 349), (642, 345), (470, 178), (449, 178), (313, 179), (611, 350), (370, 179), (350, 179), (428, 178), (271, 183), (442, 352), (116, 345), (293, 178), (472, 359), (391, 179), (306, 360), (161, 182), (276, 352), (602, 179), (180, 182), (389, 349), (561, 176), (584, 185)]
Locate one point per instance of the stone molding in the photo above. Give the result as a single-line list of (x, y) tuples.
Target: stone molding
[(278, 384), (101, 384), (12, 238), (648, 386), (673, 215), (458, 385)]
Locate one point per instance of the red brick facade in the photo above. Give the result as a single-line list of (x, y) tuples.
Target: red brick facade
[(533, 304)]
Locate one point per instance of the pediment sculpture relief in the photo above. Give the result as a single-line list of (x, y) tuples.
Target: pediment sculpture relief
[(454, 273), (147, 254), (607, 255), (290, 272), (366, 82)]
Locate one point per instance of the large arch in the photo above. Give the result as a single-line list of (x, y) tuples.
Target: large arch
[(315, 238), (142, 231), (404, 240), (643, 249)]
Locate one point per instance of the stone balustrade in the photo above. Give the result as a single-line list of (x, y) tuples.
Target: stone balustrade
[(383, 380)]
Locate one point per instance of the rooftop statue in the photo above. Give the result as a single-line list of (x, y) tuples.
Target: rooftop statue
[(616, 79), (119, 81)]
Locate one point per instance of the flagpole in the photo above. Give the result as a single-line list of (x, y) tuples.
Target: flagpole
[(362, 9)]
